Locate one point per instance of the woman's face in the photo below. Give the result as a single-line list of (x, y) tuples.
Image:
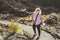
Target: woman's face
[(38, 10)]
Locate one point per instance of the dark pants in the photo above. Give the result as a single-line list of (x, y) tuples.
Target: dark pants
[(38, 28)]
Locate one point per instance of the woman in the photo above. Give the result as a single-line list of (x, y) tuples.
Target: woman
[(36, 17)]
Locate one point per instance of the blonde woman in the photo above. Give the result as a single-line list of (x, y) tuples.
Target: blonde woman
[(36, 17)]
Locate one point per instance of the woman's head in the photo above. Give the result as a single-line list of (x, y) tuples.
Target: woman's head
[(37, 10)]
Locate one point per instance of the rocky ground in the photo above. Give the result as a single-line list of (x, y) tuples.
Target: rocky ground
[(28, 33)]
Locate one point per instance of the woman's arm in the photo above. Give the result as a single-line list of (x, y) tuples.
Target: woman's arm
[(32, 17), (41, 17)]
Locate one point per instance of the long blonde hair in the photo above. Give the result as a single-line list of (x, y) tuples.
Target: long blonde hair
[(36, 10)]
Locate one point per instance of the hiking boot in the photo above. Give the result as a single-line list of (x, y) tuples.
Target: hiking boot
[(37, 38), (34, 35)]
